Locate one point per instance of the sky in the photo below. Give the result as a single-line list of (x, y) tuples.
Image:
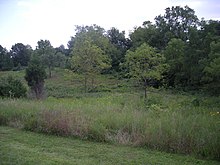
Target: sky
[(28, 21)]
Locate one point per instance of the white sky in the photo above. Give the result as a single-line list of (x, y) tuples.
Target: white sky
[(28, 21)]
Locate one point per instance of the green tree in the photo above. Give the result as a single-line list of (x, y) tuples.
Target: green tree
[(212, 70), (97, 36), (145, 64), (20, 54), (121, 43), (147, 33), (175, 23), (48, 54), (174, 54), (35, 76), (6, 62), (88, 59)]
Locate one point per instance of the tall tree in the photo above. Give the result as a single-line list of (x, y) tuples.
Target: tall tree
[(47, 53), (145, 64), (121, 43), (6, 62), (147, 33), (174, 54), (88, 59), (176, 23), (212, 69), (20, 54), (97, 36)]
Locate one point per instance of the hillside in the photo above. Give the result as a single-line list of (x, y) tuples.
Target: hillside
[(114, 111)]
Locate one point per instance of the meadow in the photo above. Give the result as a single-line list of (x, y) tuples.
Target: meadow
[(115, 112)]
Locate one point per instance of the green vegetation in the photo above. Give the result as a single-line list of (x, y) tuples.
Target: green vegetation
[(177, 52), (145, 65), (35, 76), (11, 87), (177, 123), (19, 147)]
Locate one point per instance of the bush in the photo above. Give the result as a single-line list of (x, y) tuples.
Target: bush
[(11, 87)]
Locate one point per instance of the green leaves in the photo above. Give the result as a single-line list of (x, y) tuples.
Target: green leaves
[(89, 58), (144, 63), (35, 75)]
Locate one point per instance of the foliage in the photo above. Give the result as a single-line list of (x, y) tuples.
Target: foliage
[(35, 75), (174, 54), (145, 64), (11, 87), (121, 43), (148, 33), (47, 54), (20, 54), (176, 23), (212, 70), (168, 122), (88, 59), (6, 62)]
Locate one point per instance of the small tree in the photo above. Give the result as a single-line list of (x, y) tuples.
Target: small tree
[(89, 60), (145, 65), (35, 75)]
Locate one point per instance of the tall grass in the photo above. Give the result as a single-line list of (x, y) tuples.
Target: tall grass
[(167, 122)]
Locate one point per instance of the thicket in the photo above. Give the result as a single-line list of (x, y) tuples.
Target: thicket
[(12, 87)]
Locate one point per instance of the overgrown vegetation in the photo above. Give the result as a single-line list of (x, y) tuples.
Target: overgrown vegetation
[(178, 123), (12, 87)]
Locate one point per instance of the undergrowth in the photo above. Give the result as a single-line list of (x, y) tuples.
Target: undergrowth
[(174, 123)]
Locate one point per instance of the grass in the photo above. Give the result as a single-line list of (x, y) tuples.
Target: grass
[(169, 123), (115, 112), (21, 147)]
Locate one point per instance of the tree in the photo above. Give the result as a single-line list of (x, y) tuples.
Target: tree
[(147, 33), (6, 62), (47, 53), (212, 70), (97, 36), (88, 59), (35, 75), (174, 54), (176, 23), (20, 54), (145, 64), (121, 43)]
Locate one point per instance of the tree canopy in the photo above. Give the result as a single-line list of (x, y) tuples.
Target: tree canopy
[(145, 64)]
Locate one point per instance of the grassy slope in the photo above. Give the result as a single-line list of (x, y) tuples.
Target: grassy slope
[(20, 147), (114, 112)]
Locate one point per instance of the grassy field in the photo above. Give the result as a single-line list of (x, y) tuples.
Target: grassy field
[(115, 112), (21, 147)]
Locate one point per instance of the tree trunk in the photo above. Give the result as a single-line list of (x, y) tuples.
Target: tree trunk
[(145, 89), (50, 74), (92, 82), (85, 83), (145, 92)]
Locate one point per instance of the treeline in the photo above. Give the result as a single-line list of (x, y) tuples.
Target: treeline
[(188, 48)]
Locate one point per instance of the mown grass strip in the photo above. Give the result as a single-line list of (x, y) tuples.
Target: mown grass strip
[(21, 147)]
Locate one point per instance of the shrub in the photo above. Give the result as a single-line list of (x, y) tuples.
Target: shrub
[(35, 75), (11, 87)]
